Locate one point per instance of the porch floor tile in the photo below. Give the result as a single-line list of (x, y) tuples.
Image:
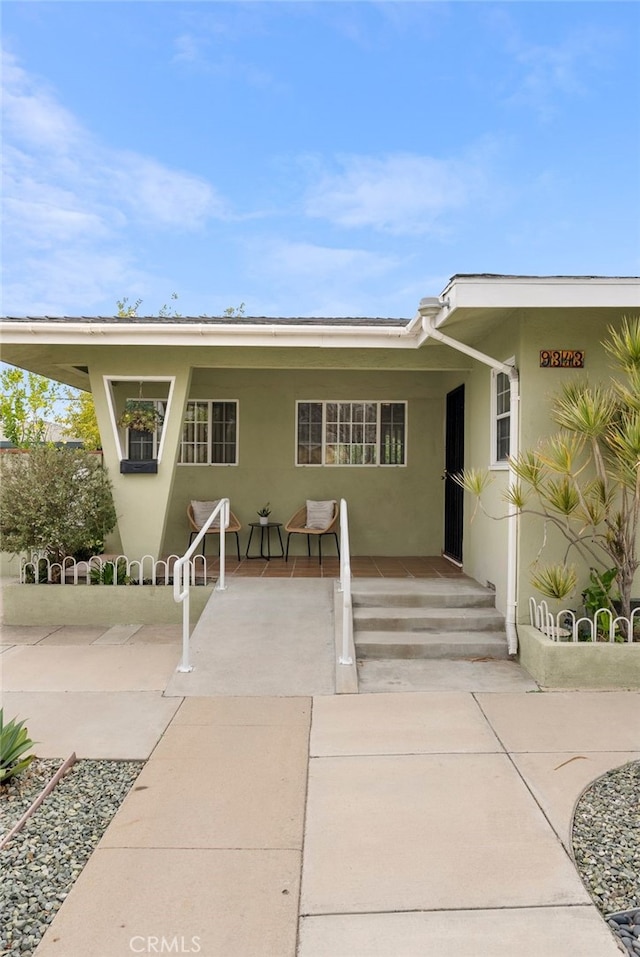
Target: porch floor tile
[(362, 566)]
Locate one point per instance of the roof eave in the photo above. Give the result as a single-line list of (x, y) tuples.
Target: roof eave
[(182, 334)]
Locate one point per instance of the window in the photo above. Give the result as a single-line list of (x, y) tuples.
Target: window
[(501, 417), (143, 445), (351, 433), (210, 433)]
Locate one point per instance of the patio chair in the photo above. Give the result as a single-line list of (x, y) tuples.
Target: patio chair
[(317, 519), (199, 512)]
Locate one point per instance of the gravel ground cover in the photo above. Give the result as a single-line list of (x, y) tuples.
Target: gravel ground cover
[(606, 846), (41, 863)]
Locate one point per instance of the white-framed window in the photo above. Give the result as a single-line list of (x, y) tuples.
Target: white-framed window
[(351, 433), (210, 433), (142, 445), (500, 418)]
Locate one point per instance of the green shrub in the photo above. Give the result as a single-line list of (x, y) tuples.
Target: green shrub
[(103, 574), (55, 501), (14, 741)]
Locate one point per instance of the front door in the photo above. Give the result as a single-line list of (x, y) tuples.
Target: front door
[(454, 462)]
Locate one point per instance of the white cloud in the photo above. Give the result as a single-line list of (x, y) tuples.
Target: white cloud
[(46, 285), (305, 261), (546, 75), (78, 204), (401, 193), (158, 194), (31, 114), (320, 280)]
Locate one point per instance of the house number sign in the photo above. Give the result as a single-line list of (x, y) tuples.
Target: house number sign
[(562, 358)]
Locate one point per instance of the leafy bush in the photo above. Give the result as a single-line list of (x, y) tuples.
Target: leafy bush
[(14, 741), (598, 593), (56, 501)]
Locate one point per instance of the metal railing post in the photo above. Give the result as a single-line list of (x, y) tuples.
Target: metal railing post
[(181, 574), (345, 586)]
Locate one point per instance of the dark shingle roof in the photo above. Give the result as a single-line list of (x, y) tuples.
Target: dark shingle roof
[(217, 320)]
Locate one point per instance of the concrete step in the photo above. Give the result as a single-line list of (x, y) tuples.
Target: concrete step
[(455, 644), (417, 593), (440, 619)]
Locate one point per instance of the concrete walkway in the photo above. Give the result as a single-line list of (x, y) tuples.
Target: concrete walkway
[(314, 825)]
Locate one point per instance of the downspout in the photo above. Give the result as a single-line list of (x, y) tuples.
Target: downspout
[(429, 331)]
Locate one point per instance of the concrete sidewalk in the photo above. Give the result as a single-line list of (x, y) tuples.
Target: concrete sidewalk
[(373, 825), (356, 826)]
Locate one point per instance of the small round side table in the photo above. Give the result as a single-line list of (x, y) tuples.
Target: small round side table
[(265, 528)]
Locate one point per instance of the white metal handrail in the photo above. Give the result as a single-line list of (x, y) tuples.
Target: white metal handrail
[(345, 587), (181, 574)]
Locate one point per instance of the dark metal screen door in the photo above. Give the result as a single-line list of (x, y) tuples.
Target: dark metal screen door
[(454, 462)]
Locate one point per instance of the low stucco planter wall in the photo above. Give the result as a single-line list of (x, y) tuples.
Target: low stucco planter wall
[(587, 665), (97, 604)]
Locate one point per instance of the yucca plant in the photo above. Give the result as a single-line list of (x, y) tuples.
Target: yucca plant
[(585, 480), (14, 742)]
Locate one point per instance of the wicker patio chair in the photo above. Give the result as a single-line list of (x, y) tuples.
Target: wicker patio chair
[(197, 521), (317, 519)]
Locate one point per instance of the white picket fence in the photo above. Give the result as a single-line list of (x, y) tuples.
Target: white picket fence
[(566, 625), (39, 570)]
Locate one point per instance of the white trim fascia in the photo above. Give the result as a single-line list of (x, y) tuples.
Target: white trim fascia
[(537, 292), (158, 334)]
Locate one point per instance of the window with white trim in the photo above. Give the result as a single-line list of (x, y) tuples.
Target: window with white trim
[(500, 417), (142, 445), (210, 433), (351, 433)]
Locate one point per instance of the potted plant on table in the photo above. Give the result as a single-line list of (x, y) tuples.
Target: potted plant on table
[(264, 514)]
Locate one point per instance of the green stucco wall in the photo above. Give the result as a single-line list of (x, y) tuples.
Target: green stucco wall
[(523, 334), (97, 605), (578, 665), (392, 510)]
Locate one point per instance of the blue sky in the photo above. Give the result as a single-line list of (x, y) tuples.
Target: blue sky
[(329, 158)]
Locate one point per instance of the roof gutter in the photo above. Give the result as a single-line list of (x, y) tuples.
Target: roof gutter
[(223, 334), (428, 310)]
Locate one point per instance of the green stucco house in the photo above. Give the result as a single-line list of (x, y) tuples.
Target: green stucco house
[(376, 411)]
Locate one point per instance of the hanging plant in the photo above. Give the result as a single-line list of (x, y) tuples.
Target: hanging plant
[(141, 415)]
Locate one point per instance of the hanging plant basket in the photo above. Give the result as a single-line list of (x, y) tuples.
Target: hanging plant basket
[(140, 415)]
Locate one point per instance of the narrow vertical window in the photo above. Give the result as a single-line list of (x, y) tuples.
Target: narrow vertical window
[(310, 433), (501, 417), (223, 433), (392, 426)]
